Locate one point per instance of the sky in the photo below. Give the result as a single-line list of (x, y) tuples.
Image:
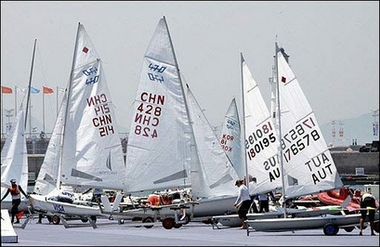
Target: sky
[(333, 48)]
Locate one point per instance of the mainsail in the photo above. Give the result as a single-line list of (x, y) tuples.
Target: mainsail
[(91, 153), (230, 138), (159, 139), (14, 155), (261, 142), (214, 174), (307, 162), (47, 177)]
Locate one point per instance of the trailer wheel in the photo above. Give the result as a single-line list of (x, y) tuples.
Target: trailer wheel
[(330, 229), (349, 228), (147, 220), (55, 219), (177, 225), (168, 223), (84, 220), (93, 217)]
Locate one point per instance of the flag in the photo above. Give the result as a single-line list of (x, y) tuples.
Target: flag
[(6, 90), (48, 90), (34, 90)]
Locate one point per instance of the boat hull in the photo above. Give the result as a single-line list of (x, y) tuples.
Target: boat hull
[(42, 203), (203, 208), (234, 220), (303, 223), (208, 207)]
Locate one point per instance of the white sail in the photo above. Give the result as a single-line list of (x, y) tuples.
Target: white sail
[(261, 142), (230, 138), (92, 152), (307, 163), (47, 177), (214, 174), (14, 161), (159, 139)]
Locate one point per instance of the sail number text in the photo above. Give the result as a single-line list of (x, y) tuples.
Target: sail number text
[(259, 139), (103, 119), (155, 68), (298, 138), (227, 139), (148, 114)]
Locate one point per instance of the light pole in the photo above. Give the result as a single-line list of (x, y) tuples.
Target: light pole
[(9, 114)]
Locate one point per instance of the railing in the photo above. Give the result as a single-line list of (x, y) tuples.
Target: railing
[(39, 145)]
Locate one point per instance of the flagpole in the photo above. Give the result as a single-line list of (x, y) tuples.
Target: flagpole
[(2, 111), (15, 100), (57, 102)]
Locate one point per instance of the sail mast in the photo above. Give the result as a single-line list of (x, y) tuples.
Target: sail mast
[(69, 90), (180, 81), (278, 123), (243, 125), (29, 87)]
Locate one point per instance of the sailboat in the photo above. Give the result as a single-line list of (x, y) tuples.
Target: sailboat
[(170, 144), (230, 138), (261, 155), (213, 175), (305, 160), (90, 152), (14, 163), (14, 156)]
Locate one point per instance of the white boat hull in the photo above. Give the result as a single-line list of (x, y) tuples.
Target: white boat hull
[(234, 220), (42, 203), (302, 223), (205, 207), (215, 206)]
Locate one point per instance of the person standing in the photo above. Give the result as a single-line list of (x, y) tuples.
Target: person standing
[(252, 182), (15, 190), (243, 202), (368, 203), (264, 202)]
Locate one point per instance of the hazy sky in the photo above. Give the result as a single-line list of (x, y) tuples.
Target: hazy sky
[(333, 48)]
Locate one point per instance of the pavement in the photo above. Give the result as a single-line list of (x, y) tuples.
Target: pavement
[(112, 233)]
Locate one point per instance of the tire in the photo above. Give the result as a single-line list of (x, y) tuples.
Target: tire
[(55, 219), (376, 227), (177, 225), (168, 223), (147, 220), (364, 226), (330, 229), (349, 228), (84, 220), (93, 217)]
